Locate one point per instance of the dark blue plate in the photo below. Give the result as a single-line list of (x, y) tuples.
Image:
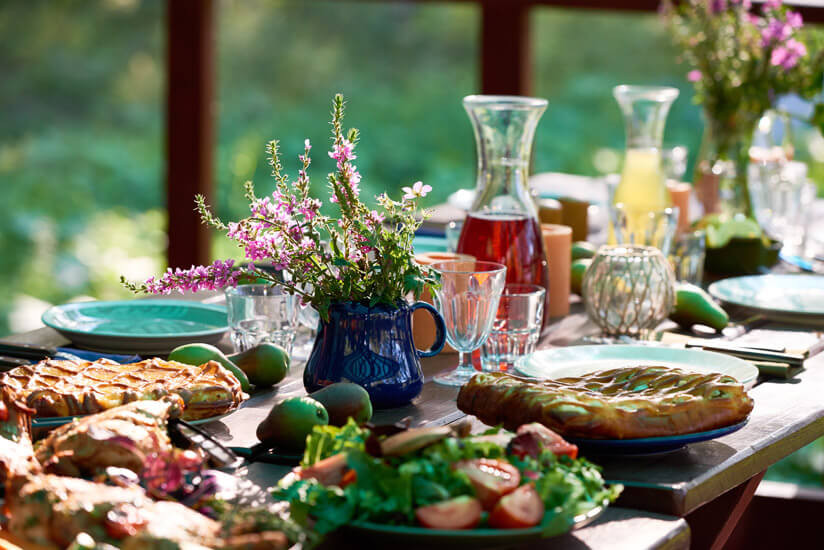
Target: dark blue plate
[(649, 445)]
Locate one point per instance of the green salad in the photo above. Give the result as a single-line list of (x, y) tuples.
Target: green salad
[(442, 478)]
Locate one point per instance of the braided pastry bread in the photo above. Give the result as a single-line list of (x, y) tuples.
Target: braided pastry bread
[(625, 403), (69, 388)]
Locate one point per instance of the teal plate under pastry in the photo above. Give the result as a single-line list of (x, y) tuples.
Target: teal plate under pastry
[(648, 445), (792, 298), (576, 361), (138, 326), (55, 421)]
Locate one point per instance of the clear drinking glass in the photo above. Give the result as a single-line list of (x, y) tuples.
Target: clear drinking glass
[(653, 228), (687, 257), (468, 301), (261, 313), (516, 329), (674, 162)]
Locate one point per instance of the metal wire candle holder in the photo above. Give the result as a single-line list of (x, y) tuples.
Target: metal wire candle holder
[(629, 290)]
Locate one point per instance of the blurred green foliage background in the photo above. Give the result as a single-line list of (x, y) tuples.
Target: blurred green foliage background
[(81, 138)]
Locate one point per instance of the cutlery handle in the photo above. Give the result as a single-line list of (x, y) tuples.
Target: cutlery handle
[(748, 353), (27, 351)]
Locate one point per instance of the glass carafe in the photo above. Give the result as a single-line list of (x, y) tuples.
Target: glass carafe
[(502, 226), (643, 187)]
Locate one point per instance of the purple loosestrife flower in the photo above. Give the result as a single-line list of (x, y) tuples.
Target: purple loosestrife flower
[(717, 6), (776, 31), (787, 55), (213, 277), (795, 20), (772, 4), (694, 75)]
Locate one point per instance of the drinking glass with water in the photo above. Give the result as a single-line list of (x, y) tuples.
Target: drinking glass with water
[(516, 329), (262, 313)]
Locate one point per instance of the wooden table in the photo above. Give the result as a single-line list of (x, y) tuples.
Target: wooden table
[(709, 484)]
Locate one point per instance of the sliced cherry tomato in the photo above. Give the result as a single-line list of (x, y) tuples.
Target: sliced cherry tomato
[(519, 509), (4, 412), (531, 438), (329, 471), (124, 521), (458, 513), (490, 478)]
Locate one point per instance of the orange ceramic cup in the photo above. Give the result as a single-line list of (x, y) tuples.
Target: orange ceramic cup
[(558, 247)]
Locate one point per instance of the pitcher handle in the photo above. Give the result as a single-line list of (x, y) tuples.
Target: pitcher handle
[(440, 329)]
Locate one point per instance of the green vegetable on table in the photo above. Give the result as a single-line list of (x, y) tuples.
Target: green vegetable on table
[(265, 364), (583, 250), (197, 354), (693, 306), (344, 400), (579, 268), (289, 422)]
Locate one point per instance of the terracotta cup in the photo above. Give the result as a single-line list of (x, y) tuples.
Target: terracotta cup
[(558, 247), (423, 326), (680, 196)]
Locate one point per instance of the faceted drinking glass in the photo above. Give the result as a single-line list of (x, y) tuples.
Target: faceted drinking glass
[(467, 299), (261, 313), (516, 329), (654, 228)]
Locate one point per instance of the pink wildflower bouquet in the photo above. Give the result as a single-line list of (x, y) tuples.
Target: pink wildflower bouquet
[(365, 255), (742, 58)]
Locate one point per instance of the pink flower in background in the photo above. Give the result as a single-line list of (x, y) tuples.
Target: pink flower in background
[(772, 4), (795, 20), (694, 75), (417, 190), (787, 55), (375, 218), (717, 6), (776, 31)]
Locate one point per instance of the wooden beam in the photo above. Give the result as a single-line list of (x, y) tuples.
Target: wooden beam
[(506, 60), (189, 126)]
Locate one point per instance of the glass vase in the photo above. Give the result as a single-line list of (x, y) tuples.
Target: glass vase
[(502, 225), (643, 187), (721, 169)]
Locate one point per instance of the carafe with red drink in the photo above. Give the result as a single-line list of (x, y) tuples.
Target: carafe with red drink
[(502, 225)]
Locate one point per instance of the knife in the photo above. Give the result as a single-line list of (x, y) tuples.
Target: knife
[(751, 354), (27, 351)]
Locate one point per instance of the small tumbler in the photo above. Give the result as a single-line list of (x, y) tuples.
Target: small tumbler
[(262, 313), (516, 329)]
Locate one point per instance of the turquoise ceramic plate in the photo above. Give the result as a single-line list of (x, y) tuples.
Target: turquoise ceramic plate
[(420, 537), (578, 360), (783, 297), (137, 326)]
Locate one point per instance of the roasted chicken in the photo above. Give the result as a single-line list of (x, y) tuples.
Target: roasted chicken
[(121, 437)]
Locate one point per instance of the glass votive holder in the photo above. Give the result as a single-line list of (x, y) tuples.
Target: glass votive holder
[(645, 228), (516, 329), (453, 235), (261, 313), (687, 257), (628, 290)]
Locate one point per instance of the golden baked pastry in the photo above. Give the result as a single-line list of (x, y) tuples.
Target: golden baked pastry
[(625, 403), (68, 388)]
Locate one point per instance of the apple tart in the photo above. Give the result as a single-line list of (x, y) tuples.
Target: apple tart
[(623, 403), (70, 388)]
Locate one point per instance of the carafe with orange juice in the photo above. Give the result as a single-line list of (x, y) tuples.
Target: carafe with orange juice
[(643, 187)]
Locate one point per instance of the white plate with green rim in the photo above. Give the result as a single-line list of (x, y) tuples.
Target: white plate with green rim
[(579, 360), (144, 327), (793, 298)]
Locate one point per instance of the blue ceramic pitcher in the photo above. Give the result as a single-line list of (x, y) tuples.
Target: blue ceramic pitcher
[(372, 347)]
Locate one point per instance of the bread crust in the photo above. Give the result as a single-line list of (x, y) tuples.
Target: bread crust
[(624, 403), (71, 388)]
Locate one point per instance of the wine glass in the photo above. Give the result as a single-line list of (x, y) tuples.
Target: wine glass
[(468, 301)]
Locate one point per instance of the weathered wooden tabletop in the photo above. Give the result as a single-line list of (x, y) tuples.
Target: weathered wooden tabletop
[(788, 414)]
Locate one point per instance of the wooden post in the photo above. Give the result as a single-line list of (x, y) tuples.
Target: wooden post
[(506, 61), (189, 126)]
